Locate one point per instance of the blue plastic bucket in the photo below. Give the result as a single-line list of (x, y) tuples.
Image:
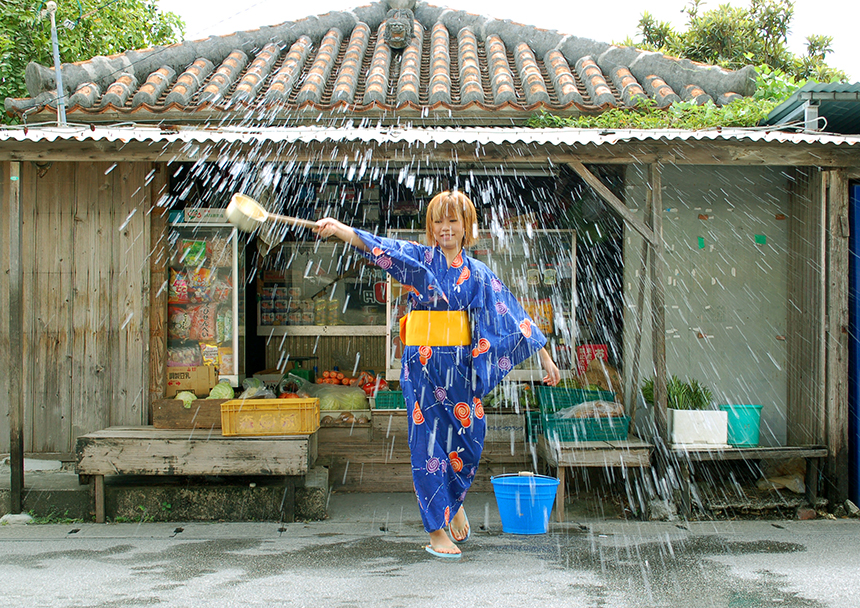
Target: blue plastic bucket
[(525, 502), (744, 424)]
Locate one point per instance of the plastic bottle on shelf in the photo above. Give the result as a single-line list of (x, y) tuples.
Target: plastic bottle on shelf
[(533, 274), (550, 275)]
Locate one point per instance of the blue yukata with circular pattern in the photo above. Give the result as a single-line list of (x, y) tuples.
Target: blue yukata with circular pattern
[(443, 385)]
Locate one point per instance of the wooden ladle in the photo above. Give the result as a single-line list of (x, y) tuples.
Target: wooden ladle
[(248, 215)]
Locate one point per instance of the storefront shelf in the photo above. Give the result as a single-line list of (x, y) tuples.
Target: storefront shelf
[(320, 330)]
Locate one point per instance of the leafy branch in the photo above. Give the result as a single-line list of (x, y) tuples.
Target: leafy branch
[(680, 395)]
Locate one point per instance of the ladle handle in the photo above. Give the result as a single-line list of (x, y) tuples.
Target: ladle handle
[(292, 221)]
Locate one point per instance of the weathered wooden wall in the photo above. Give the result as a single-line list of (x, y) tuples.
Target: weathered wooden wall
[(86, 299), (806, 310)]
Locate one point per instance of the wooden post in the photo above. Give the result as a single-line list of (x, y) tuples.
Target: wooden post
[(158, 275), (658, 312), (633, 390), (16, 341), (613, 201), (836, 340)]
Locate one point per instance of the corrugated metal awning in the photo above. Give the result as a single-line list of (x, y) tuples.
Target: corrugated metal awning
[(408, 136), (838, 104)]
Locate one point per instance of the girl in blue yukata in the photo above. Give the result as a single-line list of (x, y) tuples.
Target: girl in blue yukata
[(465, 331)]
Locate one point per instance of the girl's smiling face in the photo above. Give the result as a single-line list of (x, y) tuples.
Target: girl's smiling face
[(449, 231)]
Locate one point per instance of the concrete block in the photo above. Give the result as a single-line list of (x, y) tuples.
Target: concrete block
[(312, 497), (129, 498)]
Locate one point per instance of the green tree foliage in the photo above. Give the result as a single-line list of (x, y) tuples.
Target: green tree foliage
[(729, 37), (734, 37), (85, 28), (686, 115)]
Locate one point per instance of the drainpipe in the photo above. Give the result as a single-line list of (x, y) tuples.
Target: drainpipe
[(16, 342)]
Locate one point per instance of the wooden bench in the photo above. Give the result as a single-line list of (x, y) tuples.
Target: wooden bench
[(146, 450), (632, 452), (683, 456)]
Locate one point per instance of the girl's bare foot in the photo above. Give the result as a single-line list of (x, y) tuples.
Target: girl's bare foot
[(440, 542), (459, 526)]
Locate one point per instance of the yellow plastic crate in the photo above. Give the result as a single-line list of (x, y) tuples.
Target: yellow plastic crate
[(266, 417)]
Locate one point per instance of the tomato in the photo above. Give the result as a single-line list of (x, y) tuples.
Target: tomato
[(370, 388), (288, 396)]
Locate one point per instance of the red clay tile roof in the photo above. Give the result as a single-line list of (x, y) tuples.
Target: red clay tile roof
[(458, 69)]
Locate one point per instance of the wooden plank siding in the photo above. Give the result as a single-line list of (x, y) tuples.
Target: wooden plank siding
[(158, 277), (805, 323), (817, 376), (94, 200), (85, 252), (131, 246)]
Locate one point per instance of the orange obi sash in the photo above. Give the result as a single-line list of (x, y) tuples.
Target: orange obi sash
[(436, 328)]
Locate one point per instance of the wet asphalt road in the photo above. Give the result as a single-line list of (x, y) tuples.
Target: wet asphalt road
[(365, 558)]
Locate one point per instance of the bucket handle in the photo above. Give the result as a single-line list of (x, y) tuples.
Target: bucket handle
[(526, 474)]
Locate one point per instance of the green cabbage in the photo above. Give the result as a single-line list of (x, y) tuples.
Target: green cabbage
[(222, 390), (186, 397), (340, 397)]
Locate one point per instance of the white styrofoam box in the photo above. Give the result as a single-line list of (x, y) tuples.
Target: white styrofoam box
[(698, 427), (500, 427)]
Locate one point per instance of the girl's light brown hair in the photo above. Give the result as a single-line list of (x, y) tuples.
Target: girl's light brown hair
[(452, 203)]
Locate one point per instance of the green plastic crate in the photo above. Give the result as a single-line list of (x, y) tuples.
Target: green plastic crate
[(389, 400), (533, 425), (554, 398), (585, 429)]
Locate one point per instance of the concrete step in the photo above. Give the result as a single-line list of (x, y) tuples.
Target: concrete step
[(58, 495)]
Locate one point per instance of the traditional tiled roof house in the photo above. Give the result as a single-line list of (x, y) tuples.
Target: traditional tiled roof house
[(444, 67), (720, 255)]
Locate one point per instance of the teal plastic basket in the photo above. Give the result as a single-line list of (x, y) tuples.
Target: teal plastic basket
[(614, 428), (389, 400), (552, 399), (533, 426)]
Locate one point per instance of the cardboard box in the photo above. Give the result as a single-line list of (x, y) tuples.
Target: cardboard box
[(203, 414), (586, 353), (198, 379), (205, 215)]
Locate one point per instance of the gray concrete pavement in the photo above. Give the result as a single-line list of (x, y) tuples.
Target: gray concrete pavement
[(369, 553)]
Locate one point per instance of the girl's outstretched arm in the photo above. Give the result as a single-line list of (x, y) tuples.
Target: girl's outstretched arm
[(553, 376), (328, 226)]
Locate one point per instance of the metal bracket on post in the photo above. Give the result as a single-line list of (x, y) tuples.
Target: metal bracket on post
[(810, 116)]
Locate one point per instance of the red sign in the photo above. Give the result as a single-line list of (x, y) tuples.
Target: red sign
[(379, 291), (586, 353)]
